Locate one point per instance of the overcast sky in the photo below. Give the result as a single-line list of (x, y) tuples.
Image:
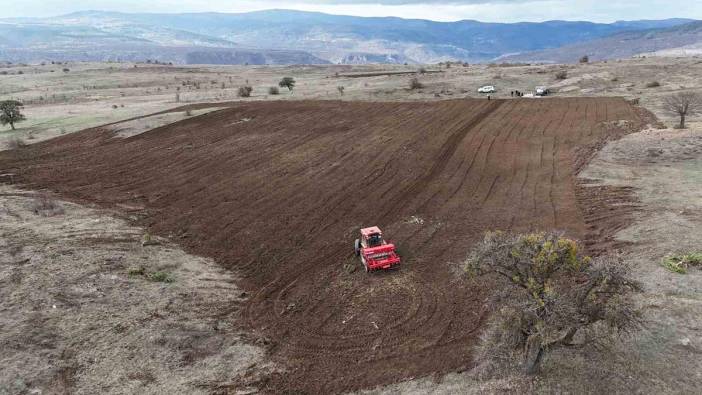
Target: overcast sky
[(443, 10)]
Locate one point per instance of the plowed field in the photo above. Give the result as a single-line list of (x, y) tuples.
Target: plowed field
[(277, 191)]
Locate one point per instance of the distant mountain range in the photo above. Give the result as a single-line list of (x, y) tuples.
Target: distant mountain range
[(673, 41), (296, 37)]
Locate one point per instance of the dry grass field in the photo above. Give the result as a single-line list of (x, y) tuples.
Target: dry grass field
[(92, 94), (169, 321)]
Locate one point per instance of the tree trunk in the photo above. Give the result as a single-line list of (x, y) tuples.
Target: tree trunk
[(682, 121), (533, 354), (12, 125)]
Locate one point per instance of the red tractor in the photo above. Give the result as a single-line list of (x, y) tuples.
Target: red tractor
[(374, 251)]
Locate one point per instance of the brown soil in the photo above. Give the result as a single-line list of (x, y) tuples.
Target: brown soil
[(278, 190)]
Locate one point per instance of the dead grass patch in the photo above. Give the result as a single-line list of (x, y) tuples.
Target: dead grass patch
[(46, 206)]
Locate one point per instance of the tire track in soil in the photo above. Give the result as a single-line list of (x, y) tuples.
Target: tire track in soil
[(279, 200), (447, 151), (477, 130)]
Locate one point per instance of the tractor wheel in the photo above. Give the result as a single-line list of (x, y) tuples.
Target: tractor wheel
[(357, 247), (365, 264)]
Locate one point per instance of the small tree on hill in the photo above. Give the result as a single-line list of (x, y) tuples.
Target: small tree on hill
[(549, 292), (11, 112), (585, 59), (287, 82), (683, 104)]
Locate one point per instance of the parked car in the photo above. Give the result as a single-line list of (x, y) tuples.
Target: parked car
[(542, 91), (487, 89)]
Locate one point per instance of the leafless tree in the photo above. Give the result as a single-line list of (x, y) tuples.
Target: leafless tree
[(683, 104), (549, 292), (415, 84)]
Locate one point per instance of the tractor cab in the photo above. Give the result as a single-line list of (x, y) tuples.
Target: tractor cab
[(372, 237)]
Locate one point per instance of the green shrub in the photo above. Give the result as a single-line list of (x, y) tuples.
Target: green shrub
[(273, 90), (161, 277), (245, 91), (136, 271), (546, 292), (157, 277), (679, 263), (11, 112), (287, 82)]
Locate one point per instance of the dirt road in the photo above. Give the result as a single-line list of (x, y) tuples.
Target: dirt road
[(277, 191)]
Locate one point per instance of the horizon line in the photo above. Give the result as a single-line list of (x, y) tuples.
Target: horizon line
[(343, 15)]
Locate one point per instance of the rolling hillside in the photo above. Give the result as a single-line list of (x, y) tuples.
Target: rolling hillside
[(318, 38), (673, 41), (33, 43)]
